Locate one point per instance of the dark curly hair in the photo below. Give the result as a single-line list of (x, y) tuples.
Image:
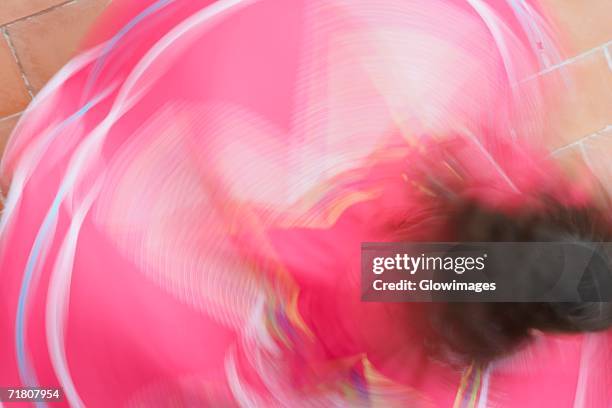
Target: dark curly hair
[(482, 332)]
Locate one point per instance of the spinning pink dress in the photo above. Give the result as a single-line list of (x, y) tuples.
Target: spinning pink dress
[(187, 198)]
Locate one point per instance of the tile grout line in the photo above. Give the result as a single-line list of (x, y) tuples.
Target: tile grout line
[(608, 56), (602, 47), (567, 146), (11, 116), (38, 13), (11, 46), (586, 158), (579, 142)]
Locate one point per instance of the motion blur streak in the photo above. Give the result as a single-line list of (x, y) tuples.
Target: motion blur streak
[(188, 196), (58, 299)]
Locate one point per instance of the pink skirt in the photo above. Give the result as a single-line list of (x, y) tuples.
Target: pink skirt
[(187, 199)]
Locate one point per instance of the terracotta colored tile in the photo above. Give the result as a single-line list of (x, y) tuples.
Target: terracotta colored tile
[(572, 161), (14, 96), (586, 24), (11, 10), (6, 127), (46, 42), (581, 107), (598, 150)]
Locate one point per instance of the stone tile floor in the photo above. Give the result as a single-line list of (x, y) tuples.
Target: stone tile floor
[(37, 37)]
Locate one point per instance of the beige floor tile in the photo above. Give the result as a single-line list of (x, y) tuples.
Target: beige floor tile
[(597, 151), (6, 127), (45, 43), (14, 96), (572, 161), (585, 23), (11, 10), (583, 105), (578, 167)]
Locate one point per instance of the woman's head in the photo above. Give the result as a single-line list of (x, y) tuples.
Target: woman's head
[(485, 331)]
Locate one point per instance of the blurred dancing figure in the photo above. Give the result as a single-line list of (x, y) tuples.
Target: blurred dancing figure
[(187, 199)]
